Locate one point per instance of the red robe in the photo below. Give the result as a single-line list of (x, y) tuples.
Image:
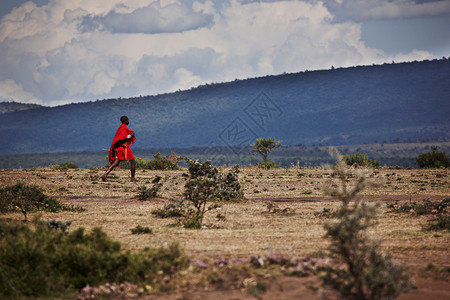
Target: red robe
[(119, 147)]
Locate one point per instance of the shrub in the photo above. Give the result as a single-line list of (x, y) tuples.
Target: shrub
[(229, 185), (55, 225), (42, 262), (273, 208), (141, 230), (425, 207), (433, 159), (25, 198), (441, 222), (204, 184), (362, 160), (176, 209), (160, 162), (270, 164), (368, 273), (65, 166), (153, 192), (201, 187), (326, 213), (193, 222)]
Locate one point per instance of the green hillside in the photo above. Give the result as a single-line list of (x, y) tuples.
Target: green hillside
[(7, 107)]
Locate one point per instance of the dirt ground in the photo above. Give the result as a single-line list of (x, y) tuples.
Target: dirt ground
[(245, 229)]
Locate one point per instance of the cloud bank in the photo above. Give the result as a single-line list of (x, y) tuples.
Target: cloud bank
[(80, 50)]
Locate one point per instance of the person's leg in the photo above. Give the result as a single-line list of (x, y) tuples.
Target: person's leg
[(133, 169), (111, 167)]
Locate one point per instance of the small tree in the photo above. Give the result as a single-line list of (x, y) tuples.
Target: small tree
[(433, 159), (264, 146), (206, 183), (24, 198), (367, 272), (201, 187)]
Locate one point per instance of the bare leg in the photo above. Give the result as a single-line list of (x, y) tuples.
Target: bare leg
[(111, 167), (133, 169)]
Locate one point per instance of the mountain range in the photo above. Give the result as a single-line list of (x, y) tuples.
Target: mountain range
[(341, 106)]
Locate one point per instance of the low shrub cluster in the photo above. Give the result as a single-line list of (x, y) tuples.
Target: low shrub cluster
[(65, 166), (326, 213), (159, 162), (270, 164), (433, 159), (273, 208), (176, 209), (441, 222), (25, 199), (58, 225), (153, 192), (36, 261), (141, 230), (441, 219), (425, 207), (361, 160)]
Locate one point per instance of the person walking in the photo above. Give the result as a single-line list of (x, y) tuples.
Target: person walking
[(120, 149)]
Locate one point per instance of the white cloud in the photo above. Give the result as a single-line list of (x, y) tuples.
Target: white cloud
[(11, 91), (154, 18), (78, 50), (413, 55), (363, 10)]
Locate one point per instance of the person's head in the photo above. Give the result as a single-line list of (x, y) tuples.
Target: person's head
[(124, 120)]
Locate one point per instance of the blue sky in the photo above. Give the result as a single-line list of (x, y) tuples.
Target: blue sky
[(54, 52)]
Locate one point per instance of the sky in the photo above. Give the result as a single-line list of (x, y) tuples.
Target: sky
[(54, 52)]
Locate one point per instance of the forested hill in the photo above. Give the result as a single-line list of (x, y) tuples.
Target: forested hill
[(7, 107), (366, 104)]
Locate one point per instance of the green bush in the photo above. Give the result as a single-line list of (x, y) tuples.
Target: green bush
[(36, 261), (153, 192), (193, 222), (65, 166), (368, 273), (24, 198), (433, 159), (442, 222), (201, 187), (229, 185), (141, 230), (204, 184), (160, 162), (425, 207), (270, 164), (361, 160), (55, 225), (176, 209)]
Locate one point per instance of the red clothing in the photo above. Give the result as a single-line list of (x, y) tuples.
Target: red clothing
[(119, 147)]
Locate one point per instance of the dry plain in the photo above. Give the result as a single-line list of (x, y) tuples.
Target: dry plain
[(248, 228)]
